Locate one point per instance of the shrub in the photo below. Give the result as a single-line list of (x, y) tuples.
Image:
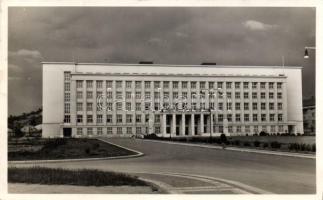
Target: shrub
[(151, 136), (246, 144), (265, 145), (236, 142), (275, 145), (87, 150), (313, 148), (223, 138), (256, 143), (263, 133)]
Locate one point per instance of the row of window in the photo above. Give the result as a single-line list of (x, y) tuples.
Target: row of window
[(180, 84), (177, 95), (138, 130), (166, 105), (138, 118)]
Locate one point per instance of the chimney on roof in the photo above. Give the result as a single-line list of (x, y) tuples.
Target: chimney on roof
[(146, 62), (208, 63)]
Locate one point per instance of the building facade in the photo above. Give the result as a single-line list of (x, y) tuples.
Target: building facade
[(86, 99)]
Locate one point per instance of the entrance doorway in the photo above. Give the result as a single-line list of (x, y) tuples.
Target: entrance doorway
[(67, 132)]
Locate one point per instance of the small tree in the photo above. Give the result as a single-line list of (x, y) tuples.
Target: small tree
[(223, 138)]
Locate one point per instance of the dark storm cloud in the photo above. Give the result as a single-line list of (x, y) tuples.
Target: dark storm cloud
[(238, 36)]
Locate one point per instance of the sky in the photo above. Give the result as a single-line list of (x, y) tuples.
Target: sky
[(227, 36)]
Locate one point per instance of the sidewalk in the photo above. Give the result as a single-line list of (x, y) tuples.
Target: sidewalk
[(259, 151)]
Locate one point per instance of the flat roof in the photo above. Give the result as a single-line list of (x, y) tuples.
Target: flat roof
[(176, 65)]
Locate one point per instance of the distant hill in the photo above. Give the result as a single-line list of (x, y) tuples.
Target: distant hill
[(32, 118)]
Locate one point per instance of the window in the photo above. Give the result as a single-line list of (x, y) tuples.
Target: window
[(147, 105), (254, 117), (99, 84), (109, 106), (220, 118), (147, 84), (184, 84), (128, 84), (220, 106), (109, 84), (129, 130), (156, 106), (228, 85), (263, 106), (157, 118), (247, 129), (211, 85), (184, 95), (146, 117), (89, 106), (128, 106), (280, 106), (138, 118), (79, 95), (166, 84), (246, 117), (263, 85), (264, 128), (175, 84), (89, 84), (237, 95), (166, 95), (175, 95), (109, 95), (89, 119), (272, 117), (281, 128), (193, 85), (89, 131), (79, 106), (138, 106), (67, 76), (263, 117), (229, 106), (99, 95), (147, 95), (255, 129), (238, 119), (237, 106), (254, 106), (239, 129), (202, 85), (229, 96), (109, 130), (100, 132), (119, 130), (89, 95), (245, 95), (119, 118), (67, 119), (254, 95), (128, 118), (211, 105), (67, 97), (271, 95), (138, 130), (157, 130), (246, 106), (279, 95), (79, 131), (271, 85), (138, 95), (67, 108), (79, 84), (271, 106), (254, 85), (272, 129), (128, 95), (230, 129), (245, 85), (79, 118), (138, 84), (119, 84), (220, 85), (263, 95), (237, 85), (279, 85), (156, 84), (194, 106), (280, 117), (229, 117), (202, 106), (119, 95), (119, 105), (99, 119), (67, 86), (109, 118)]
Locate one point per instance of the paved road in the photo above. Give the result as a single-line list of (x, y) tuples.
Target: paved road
[(276, 174)]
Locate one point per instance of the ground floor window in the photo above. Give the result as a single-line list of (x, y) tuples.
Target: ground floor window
[(89, 131), (79, 131), (157, 130), (129, 130), (109, 130), (138, 130), (99, 131), (119, 130)]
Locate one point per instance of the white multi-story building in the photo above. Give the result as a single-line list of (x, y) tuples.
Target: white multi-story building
[(95, 99)]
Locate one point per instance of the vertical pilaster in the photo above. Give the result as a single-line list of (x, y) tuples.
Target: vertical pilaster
[(164, 125), (173, 131), (192, 125), (202, 123)]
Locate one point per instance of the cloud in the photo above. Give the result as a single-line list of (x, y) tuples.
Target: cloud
[(258, 26), (26, 53)]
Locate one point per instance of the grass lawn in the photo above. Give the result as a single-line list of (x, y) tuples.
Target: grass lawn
[(67, 148), (83, 177)]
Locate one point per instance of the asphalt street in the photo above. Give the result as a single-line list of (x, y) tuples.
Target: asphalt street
[(273, 173)]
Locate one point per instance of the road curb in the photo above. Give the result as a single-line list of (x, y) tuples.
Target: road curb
[(138, 154), (298, 155)]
